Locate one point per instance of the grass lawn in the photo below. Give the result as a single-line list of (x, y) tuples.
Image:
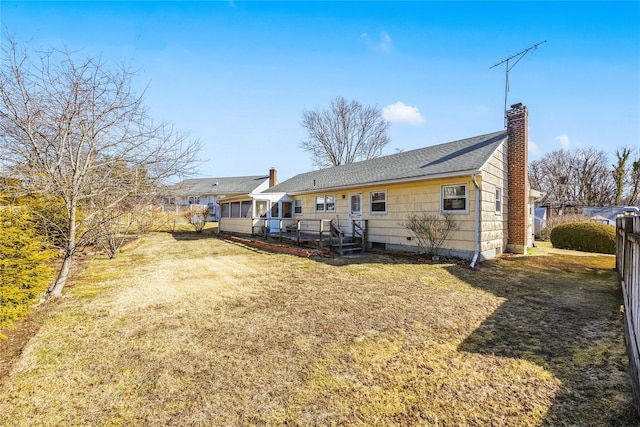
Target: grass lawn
[(192, 330)]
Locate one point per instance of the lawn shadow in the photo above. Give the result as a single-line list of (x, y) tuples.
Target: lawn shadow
[(563, 314), (192, 235)]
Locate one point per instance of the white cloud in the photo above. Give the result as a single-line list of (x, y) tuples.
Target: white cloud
[(534, 150), (383, 44), (402, 113), (564, 141)]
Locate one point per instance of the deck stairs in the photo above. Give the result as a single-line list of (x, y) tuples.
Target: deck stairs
[(344, 243)]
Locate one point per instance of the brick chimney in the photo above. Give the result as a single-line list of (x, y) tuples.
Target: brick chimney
[(518, 180), (273, 177)]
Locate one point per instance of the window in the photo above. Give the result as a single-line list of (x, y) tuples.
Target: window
[(274, 210), (355, 205), (498, 200), (194, 200), (454, 198), (325, 203), (378, 202), (297, 207)]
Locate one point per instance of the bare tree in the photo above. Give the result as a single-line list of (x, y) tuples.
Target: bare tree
[(620, 172), (69, 128), (344, 133), (574, 178), (634, 183)]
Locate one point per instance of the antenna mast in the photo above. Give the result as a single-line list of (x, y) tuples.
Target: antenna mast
[(508, 68)]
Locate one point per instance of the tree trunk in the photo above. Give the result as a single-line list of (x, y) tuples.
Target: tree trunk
[(55, 290)]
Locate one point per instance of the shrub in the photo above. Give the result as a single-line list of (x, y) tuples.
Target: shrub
[(24, 265), (585, 236), (197, 216), (431, 231)]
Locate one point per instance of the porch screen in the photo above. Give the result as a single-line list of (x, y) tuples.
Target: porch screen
[(224, 210), (261, 208), (235, 210), (286, 209), (246, 209)]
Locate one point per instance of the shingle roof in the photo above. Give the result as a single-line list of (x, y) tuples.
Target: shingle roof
[(213, 186), (460, 156)]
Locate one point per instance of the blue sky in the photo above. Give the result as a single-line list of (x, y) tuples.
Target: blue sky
[(237, 75)]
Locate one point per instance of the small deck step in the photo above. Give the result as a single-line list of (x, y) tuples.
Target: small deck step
[(347, 248)]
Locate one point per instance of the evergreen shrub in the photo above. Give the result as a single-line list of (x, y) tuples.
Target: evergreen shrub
[(585, 236), (24, 264)]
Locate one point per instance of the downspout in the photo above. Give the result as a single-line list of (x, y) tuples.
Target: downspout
[(477, 231)]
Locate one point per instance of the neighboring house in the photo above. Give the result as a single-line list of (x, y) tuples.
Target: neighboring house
[(210, 191), (608, 214), (481, 180)]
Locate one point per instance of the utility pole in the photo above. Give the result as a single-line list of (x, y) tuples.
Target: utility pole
[(518, 56)]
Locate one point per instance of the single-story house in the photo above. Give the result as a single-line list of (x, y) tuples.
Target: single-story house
[(210, 191), (608, 214), (482, 181)]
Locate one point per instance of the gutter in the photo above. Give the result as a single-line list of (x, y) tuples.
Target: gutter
[(477, 229)]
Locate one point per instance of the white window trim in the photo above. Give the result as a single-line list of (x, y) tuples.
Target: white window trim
[(386, 203), (293, 207), (324, 204), (466, 197), (499, 198)]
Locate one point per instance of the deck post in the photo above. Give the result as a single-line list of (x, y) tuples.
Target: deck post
[(320, 241), (298, 232)]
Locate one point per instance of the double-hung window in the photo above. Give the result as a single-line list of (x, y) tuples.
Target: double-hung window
[(378, 202), (455, 198), (325, 203), (498, 200), (297, 207)]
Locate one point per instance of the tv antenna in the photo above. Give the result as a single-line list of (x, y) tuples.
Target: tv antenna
[(518, 56)]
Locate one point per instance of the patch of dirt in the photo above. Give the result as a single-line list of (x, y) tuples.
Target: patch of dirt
[(19, 336)]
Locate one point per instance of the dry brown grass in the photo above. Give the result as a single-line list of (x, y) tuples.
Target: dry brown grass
[(193, 330)]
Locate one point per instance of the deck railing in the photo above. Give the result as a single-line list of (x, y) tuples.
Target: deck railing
[(316, 231), (628, 266)]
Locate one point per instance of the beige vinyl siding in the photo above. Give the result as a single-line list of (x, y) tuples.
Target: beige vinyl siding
[(236, 225), (494, 226), (402, 199)]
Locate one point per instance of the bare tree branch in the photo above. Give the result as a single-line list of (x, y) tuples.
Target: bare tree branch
[(75, 129), (345, 133)]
